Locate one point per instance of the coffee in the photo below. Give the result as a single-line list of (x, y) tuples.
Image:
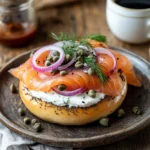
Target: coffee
[(134, 4)]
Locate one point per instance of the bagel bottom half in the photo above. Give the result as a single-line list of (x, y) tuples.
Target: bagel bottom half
[(72, 116)]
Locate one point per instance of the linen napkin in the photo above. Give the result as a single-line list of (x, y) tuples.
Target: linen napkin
[(12, 141)]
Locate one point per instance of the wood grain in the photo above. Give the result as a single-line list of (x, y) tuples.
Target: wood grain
[(50, 3), (82, 18)]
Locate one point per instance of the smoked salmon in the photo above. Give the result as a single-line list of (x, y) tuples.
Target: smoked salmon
[(77, 78)]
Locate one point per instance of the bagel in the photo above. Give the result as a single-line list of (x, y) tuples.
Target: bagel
[(75, 115)]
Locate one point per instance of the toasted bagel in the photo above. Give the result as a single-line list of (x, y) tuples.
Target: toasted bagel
[(72, 116)]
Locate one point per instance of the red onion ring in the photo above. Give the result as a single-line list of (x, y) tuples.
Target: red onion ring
[(69, 93), (68, 64), (100, 50), (54, 65)]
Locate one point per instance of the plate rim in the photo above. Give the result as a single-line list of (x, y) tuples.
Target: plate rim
[(65, 142)]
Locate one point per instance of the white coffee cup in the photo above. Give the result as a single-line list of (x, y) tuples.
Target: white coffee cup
[(129, 25)]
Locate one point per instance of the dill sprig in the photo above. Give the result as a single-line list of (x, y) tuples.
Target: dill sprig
[(64, 37), (70, 49), (96, 37), (91, 61), (73, 47)]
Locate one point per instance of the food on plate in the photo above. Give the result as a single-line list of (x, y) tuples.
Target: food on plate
[(75, 82), (21, 112), (136, 110)]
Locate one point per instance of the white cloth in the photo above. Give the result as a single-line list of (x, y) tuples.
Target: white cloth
[(12, 141)]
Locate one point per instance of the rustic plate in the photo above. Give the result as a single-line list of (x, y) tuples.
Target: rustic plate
[(83, 136)]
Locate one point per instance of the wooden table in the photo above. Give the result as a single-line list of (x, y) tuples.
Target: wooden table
[(83, 17)]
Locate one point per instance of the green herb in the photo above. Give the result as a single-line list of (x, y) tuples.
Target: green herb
[(70, 49), (96, 37), (84, 41), (64, 37), (90, 61)]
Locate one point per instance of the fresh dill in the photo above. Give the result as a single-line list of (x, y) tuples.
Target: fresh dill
[(96, 37), (64, 37), (71, 48), (74, 46), (91, 61)]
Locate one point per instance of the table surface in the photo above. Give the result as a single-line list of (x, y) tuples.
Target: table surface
[(82, 17)]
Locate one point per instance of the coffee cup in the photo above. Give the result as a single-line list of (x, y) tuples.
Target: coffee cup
[(128, 24)]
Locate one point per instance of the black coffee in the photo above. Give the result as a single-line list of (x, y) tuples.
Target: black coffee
[(135, 4)]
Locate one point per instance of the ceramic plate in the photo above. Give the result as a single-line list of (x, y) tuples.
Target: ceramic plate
[(78, 136)]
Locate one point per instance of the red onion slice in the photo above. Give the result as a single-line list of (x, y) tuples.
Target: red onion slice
[(100, 50), (54, 65), (69, 93), (68, 64)]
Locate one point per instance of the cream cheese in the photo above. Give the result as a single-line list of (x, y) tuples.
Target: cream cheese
[(81, 100)]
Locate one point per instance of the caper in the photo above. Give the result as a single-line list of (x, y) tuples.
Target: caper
[(50, 58), (13, 88), (80, 52), (55, 71), (120, 112), (55, 53), (78, 64), (55, 58), (21, 112), (37, 127), (136, 110), (92, 93), (33, 121), (79, 58), (63, 73), (67, 58), (90, 71), (61, 87), (27, 120), (47, 63), (104, 122)]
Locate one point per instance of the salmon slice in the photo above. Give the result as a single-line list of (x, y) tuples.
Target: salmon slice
[(126, 66), (77, 78), (123, 63), (19, 71)]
